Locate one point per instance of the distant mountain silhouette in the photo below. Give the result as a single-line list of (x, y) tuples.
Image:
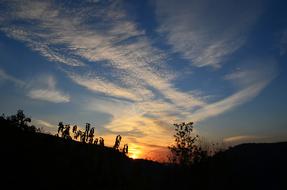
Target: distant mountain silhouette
[(35, 160), (248, 166)]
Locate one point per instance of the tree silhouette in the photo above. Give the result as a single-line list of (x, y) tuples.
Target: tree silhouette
[(186, 149), (19, 121), (20, 117)]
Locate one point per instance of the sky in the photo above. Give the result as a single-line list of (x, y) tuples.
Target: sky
[(136, 67)]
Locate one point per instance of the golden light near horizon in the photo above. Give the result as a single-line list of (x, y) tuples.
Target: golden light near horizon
[(134, 151), (125, 81)]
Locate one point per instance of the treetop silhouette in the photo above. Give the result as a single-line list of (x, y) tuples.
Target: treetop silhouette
[(19, 121), (186, 149)]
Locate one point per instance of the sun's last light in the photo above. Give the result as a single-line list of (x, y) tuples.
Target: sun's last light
[(134, 151)]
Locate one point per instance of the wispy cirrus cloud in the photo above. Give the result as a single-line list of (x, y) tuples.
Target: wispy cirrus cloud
[(140, 63), (45, 126), (44, 123), (242, 139), (206, 32), (96, 84), (49, 95), (255, 75), (228, 103), (42, 89), (47, 91), (5, 76), (115, 57)]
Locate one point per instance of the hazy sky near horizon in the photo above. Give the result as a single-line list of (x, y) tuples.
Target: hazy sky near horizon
[(135, 67)]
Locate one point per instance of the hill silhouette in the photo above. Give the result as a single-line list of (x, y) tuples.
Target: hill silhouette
[(36, 160)]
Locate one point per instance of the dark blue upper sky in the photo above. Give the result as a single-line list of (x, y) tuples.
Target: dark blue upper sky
[(136, 67)]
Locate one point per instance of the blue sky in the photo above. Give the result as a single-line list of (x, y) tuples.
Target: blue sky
[(135, 67)]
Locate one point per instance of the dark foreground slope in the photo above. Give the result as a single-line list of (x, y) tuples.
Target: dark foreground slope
[(249, 166), (42, 161)]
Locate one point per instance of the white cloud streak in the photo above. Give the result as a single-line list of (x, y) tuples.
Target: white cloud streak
[(206, 32), (7, 77), (47, 91), (243, 139), (146, 97), (140, 63), (250, 81), (49, 95), (229, 103), (44, 124), (97, 84)]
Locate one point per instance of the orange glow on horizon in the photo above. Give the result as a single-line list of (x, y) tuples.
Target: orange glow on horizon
[(135, 151)]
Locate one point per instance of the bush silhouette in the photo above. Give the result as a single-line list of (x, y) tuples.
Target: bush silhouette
[(19, 121), (186, 149)]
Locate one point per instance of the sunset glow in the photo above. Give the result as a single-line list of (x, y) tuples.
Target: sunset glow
[(134, 68), (134, 151)]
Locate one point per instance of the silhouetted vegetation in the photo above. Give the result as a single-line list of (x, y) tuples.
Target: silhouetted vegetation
[(19, 121), (126, 149), (36, 160), (117, 142), (187, 149), (86, 136), (102, 141)]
